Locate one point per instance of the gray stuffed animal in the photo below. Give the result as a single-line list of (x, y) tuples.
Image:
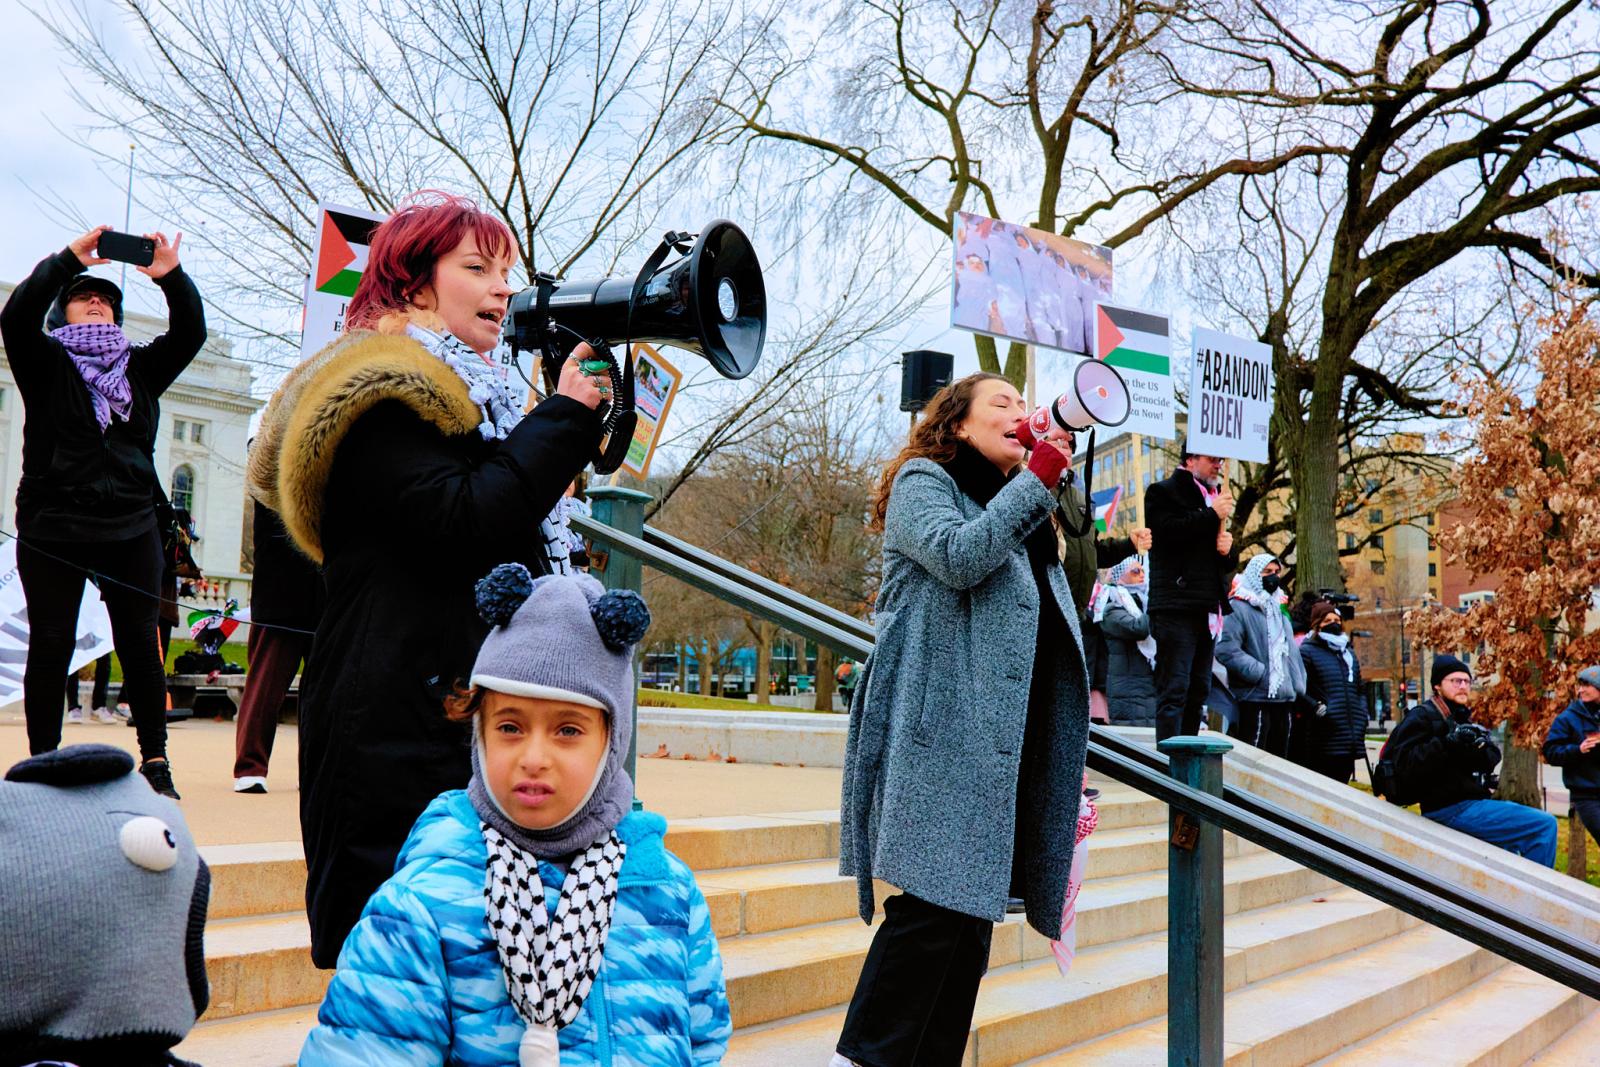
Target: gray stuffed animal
[(102, 912)]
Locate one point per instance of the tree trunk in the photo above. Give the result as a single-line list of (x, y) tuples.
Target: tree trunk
[(683, 666), (704, 661), (1519, 775), (1314, 473), (763, 684), (825, 680)]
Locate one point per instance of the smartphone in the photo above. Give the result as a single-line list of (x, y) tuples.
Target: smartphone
[(127, 248)]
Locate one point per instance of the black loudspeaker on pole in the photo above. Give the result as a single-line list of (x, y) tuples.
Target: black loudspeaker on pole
[(922, 374)]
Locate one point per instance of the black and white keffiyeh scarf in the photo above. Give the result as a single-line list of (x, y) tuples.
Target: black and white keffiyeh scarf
[(487, 388), (550, 964)]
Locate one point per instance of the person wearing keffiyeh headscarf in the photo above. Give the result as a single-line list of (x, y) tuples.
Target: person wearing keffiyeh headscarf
[(1265, 672), (1120, 612), (86, 502)]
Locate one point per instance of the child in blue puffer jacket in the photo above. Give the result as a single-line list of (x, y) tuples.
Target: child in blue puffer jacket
[(532, 918)]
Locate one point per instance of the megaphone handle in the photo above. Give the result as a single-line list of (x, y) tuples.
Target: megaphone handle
[(1087, 522)]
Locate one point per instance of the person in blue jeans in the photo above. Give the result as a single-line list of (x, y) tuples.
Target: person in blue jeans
[(1573, 744), (1447, 761)]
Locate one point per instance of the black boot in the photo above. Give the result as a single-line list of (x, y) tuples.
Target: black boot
[(159, 774)]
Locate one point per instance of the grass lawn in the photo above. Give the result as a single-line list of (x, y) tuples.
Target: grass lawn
[(664, 698), (1593, 855), (230, 652)]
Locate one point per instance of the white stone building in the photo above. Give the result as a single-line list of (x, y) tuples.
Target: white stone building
[(200, 453)]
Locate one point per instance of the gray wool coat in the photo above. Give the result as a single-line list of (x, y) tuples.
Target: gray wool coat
[(1244, 648), (936, 792)]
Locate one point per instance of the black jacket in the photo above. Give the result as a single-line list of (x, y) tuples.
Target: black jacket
[(1432, 769), (1340, 732), (79, 484), (1580, 771), (286, 588), (1186, 571), (383, 474), (1082, 556), (1130, 680)]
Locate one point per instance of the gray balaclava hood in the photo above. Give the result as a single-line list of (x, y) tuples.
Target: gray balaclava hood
[(561, 637), (102, 912)]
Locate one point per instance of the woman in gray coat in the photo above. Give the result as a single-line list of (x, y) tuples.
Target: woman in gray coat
[(1265, 672), (964, 765), (1130, 650)]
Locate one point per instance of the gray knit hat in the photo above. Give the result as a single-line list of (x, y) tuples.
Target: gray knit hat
[(561, 637), (105, 899), (1590, 676)]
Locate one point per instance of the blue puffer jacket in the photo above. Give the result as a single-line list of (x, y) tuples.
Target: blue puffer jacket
[(420, 985), (1580, 771)]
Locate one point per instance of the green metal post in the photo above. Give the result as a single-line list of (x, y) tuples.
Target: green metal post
[(623, 510), (1194, 910)]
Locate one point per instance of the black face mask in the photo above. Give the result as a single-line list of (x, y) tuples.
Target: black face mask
[(1269, 582), (1335, 628)]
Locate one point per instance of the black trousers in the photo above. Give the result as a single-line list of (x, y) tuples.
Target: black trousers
[(1589, 812), (102, 682), (52, 574), (913, 1003), (1184, 647), (1265, 725)]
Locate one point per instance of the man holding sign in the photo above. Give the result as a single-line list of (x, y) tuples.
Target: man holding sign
[(1191, 556)]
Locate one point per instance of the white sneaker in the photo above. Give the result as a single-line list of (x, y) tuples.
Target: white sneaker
[(75, 717), (104, 717), (840, 1061), (250, 783), (121, 711)]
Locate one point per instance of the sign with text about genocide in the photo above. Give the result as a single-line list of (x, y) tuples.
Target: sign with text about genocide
[(1139, 345), (1230, 397), (337, 261)]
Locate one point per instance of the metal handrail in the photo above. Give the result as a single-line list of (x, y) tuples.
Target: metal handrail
[(1486, 923)]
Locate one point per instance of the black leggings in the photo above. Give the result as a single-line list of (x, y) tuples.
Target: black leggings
[(54, 589)]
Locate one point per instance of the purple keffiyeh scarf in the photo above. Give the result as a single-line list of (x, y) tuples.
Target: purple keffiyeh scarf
[(100, 352)]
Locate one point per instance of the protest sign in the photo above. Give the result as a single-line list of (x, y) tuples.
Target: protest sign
[(93, 636), (1139, 345), (337, 261), (655, 383), (1230, 397), (1025, 284)]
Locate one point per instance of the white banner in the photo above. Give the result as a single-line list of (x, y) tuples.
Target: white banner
[(337, 261), (1230, 397), (93, 634)]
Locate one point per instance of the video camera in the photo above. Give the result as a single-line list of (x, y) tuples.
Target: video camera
[(1344, 603)]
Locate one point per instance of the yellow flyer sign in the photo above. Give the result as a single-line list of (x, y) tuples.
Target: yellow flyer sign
[(655, 383)]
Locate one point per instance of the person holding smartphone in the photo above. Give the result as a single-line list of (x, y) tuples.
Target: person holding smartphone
[(86, 503), (399, 461), (1573, 744)]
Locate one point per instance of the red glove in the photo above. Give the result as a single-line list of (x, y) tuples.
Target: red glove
[(1033, 428), (1048, 462)]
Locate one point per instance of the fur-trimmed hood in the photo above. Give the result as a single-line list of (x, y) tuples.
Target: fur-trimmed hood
[(320, 401)]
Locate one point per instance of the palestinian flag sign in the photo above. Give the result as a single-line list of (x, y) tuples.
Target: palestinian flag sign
[(1105, 507), (1139, 345), (337, 261)]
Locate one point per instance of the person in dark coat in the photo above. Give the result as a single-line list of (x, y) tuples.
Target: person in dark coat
[(1332, 720), (964, 759), (286, 599), (1084, 555), (1266, 674), (1447, 762), (86, 502), (389, 471), (1573, 744), (1191, 556), (1130, 650)]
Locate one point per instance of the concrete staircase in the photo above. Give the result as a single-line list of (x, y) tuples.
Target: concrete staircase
[(1315, 973)]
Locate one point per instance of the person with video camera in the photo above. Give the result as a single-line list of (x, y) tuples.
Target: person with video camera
[(964, 764), (398, 460), (1191, 556), (86, 502), (1327, 733), (1573, 744), (1446, 761)]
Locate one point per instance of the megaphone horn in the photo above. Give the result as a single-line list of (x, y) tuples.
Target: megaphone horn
[(1098, 397), (711, 302)]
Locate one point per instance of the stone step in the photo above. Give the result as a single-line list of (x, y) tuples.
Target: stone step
[(1501, 1021), (266, 1039), (262, 879), (1577, 1048), (1314, 1011), (750, 840), (1032, 1010), (261, 963)]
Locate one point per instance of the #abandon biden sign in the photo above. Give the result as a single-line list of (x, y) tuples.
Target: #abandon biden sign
[(1230, 397)]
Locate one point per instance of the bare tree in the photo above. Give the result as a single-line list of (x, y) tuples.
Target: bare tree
[(1061, 110), (1454, 126)]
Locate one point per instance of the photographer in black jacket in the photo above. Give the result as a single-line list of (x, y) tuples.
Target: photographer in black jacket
[(86, 503), (1191, 556), (1447, 761)]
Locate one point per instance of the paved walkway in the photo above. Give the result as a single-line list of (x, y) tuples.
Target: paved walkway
[(202, 766)]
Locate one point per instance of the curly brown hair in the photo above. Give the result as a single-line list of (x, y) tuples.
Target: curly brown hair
[(934, 437), (464, 702)]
